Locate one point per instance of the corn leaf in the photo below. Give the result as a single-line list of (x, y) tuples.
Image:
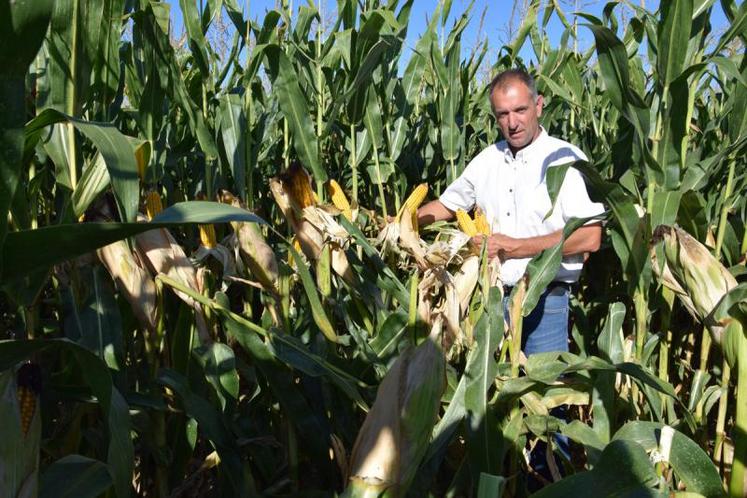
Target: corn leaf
[(673, 35), (317, 309), (294, 106), (608, 478), (211, 423), (611, 342), (233, 129), (311, 428), (22, 29), (690, 463), (482, 426), (75, 476)]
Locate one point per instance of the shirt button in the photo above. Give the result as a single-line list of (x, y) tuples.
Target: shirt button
[(510, 190), (508, 214)]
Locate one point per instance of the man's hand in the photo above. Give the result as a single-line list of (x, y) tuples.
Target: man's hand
[(583, 240), (497, 244)]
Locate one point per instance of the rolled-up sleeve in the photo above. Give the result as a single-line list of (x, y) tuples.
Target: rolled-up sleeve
[(461, 193)]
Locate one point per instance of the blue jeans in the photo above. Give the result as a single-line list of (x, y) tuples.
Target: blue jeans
[(545, 330)]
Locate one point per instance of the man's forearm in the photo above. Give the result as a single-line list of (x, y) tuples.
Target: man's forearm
[(584, 239), (432, 212)]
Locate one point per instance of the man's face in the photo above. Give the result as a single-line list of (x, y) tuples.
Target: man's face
[(517, 113)]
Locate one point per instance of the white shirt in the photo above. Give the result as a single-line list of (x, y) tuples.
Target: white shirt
[(513, 194)]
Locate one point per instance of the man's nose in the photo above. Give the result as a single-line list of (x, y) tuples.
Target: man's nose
[(512, 122)]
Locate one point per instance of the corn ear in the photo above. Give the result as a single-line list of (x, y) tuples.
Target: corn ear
[(153, 204), (133, 282), (466, 224), (416, 198), (28, 387), (693, 273), (395, 435), (481, 222), (207, 236), (258, 255), (297, 182), (465, 280), (19, 452), (163, 255), (338, 199)]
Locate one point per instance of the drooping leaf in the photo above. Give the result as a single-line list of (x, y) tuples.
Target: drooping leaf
[(74, 240)]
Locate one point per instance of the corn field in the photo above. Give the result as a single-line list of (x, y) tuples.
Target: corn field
[(214, 282)]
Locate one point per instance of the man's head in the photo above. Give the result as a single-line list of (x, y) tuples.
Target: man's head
[(516, 106)]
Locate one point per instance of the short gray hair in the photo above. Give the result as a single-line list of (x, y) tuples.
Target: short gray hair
[(503, 79)]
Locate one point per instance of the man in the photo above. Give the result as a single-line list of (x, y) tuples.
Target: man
[(507, 181)]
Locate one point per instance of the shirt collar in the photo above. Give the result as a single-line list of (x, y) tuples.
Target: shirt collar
[(526, 151)]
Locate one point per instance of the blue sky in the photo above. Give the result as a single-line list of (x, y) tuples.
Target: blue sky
[(497, 16)]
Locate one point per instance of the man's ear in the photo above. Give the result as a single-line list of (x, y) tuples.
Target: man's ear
[(540, 102)]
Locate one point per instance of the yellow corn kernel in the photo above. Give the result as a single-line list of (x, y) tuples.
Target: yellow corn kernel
[(297, 246), (207, 236), (481, 222), (465, 223), (28, 385), (416, 197), (338, 198), (153, 204), (298, 183), (26, 405)]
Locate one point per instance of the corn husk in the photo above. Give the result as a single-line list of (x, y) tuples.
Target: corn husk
[(209, 247), (395, 434), (163, 255), (254, 251), (258, 256), (693, 274), (465, 281), (135, 284)]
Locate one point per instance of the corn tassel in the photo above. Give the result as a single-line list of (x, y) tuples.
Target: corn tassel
[(153, 204), (465, 223), (338, 199)]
